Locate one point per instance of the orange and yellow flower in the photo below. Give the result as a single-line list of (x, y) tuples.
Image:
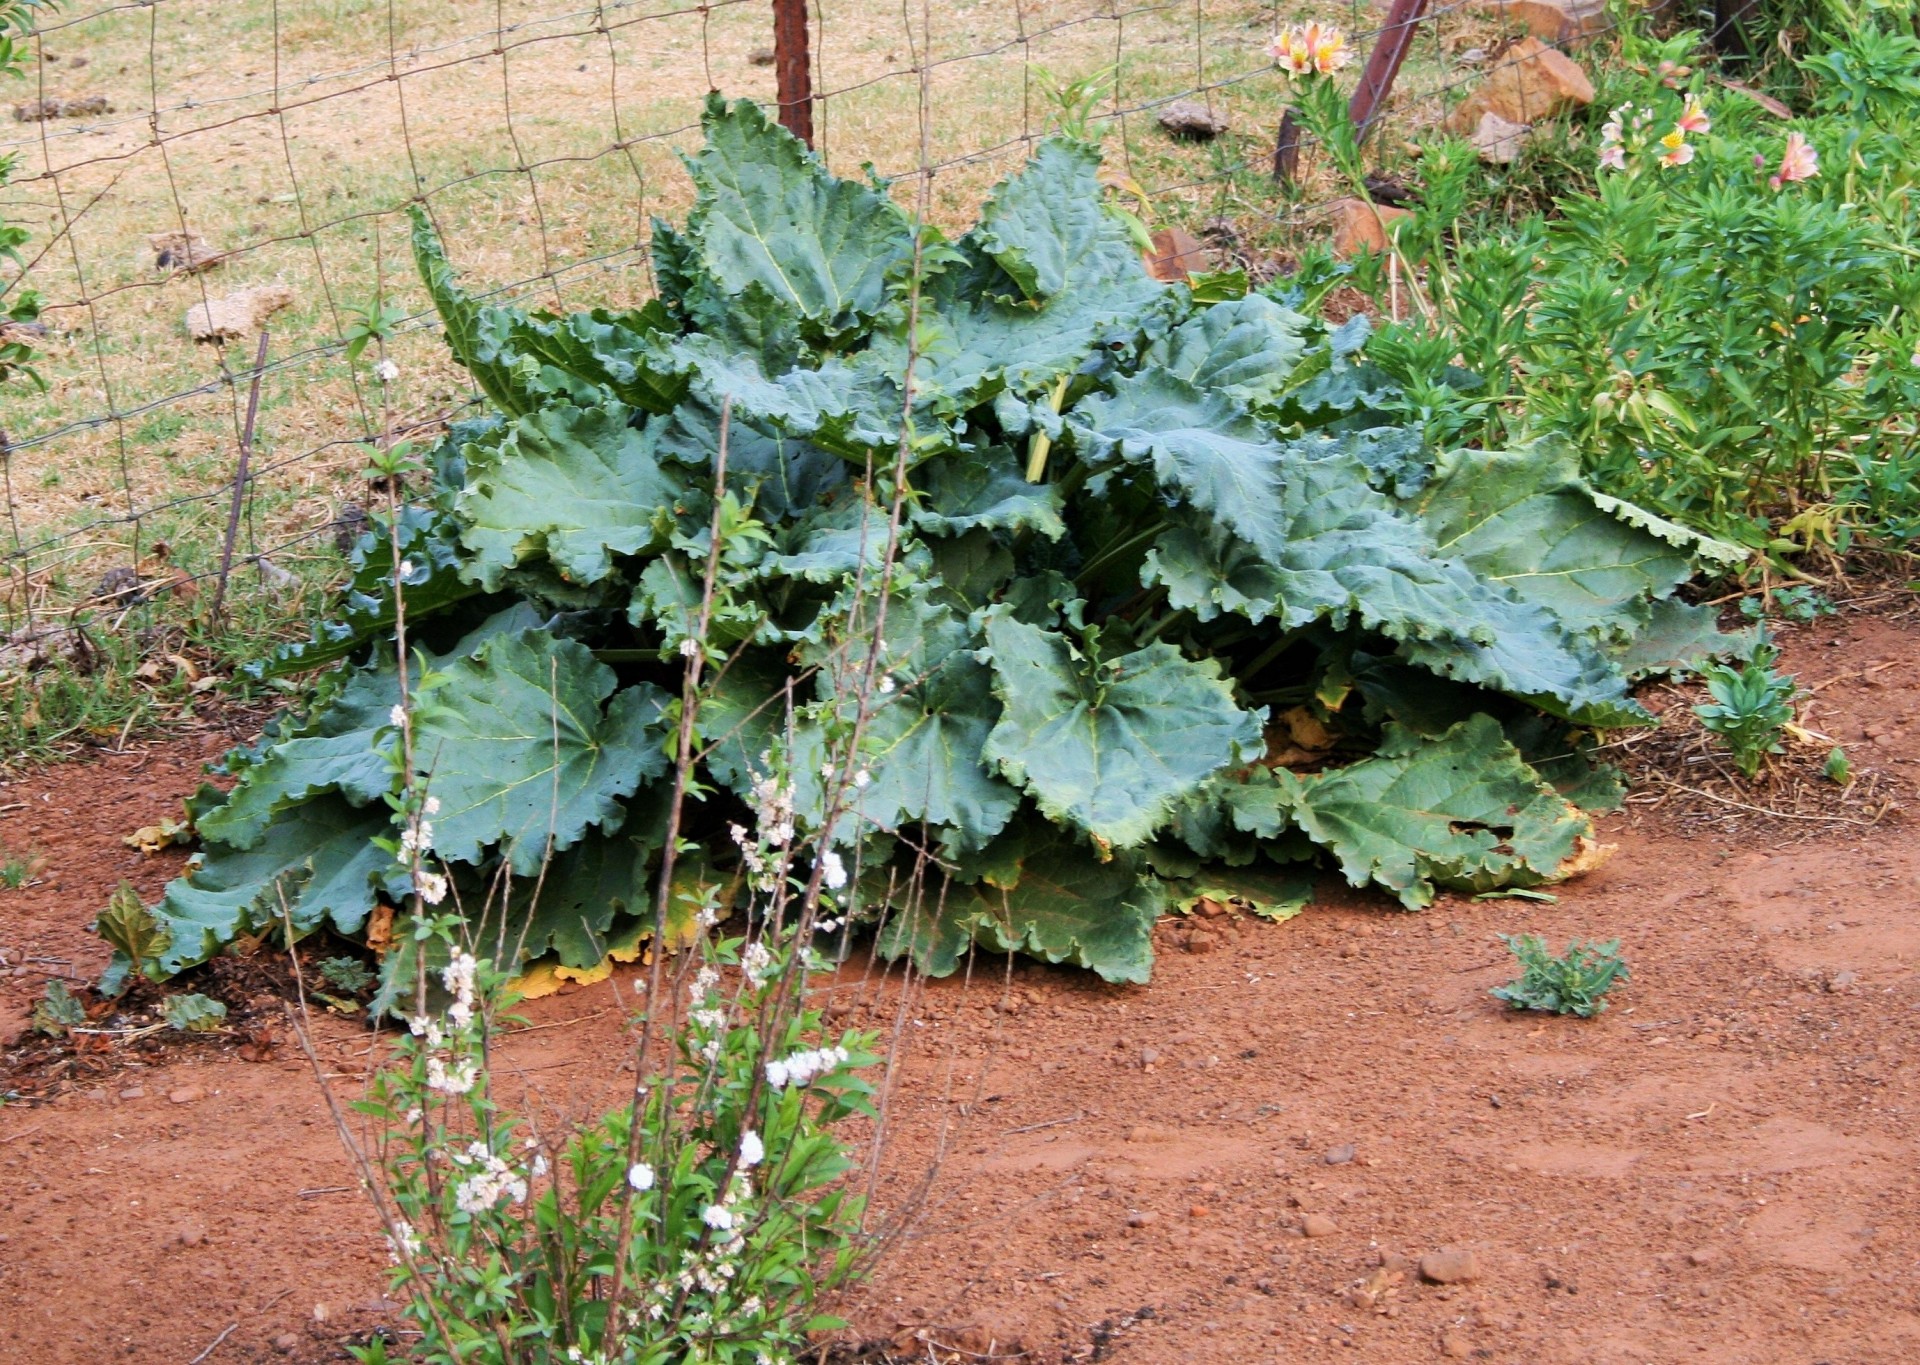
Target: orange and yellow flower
[(1675, 149), (1310, 49)]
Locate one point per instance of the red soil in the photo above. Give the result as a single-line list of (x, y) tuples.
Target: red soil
[(1722, 1168)]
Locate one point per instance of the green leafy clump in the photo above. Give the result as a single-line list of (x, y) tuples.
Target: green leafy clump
[(348, 974), (57, 1010), (1576, 982), (1039, 607), (1750, 710), (193, 1013), (1729, 338)]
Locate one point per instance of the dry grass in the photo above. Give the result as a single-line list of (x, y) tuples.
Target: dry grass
[(290, 133)]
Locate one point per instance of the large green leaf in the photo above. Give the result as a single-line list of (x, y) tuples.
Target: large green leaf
[(768, 214), (1526, 520), (929, 715), (1462, 810), (1345, 552), (1111, 745), (985, 490), (474, 331), (318, 857), (1200, 446), (586, 895), (1086, 284), (517, 748), (336, 751), (1034, 892), (578, 485), (1245, 348)]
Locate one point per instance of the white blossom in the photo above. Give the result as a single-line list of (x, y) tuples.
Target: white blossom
[(484, 1188), (431, 886), (832, 870), (862, 778), (417, 838), (757, 962), (800, 1068), (455, 1081), (640, 1176), (432, 805), (689, 648), (717, 1218), (386, 371), (398, 716), (752, 1151)]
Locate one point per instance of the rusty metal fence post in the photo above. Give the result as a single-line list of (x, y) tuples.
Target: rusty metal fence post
[(1376, 82), (793, 68)]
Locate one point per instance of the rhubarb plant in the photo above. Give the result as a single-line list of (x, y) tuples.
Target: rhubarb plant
[(1094, 589)]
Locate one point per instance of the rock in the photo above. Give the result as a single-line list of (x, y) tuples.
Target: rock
[(1499, 142), (238, 314), (1553, 21), (1473, 56), (1841, 981), (1318, 1225), (121, 586), (1451, 1266), (286, 1343), (763, 56), (1200, 941), (187, 252), (134, 1092), (1148, 1056), (187, 1094), (348, 526), (1703, 1256), (1359, 226), (1339, 1156), (1199, 1211), (1455, 1346), (1144, 1219), (1192, 121), (190, 1236), (1529, 82), (1148, 1132), (1177, 255), (38, 111)]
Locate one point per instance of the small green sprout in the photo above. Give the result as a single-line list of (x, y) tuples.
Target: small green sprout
[(1574, 983), (1750, 708), (193, 1013), (1838, 769)]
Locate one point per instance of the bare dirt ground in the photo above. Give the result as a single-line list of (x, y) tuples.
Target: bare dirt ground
[(1243, 1162)]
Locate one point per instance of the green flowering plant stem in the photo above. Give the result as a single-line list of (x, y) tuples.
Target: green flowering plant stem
[(732, 1220), (19, 306)]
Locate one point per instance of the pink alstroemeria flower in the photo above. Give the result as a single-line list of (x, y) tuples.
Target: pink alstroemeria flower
[(1693, 117), (1678, 150), (1798, 162)]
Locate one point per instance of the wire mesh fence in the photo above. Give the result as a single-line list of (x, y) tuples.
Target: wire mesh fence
[(218, 170)]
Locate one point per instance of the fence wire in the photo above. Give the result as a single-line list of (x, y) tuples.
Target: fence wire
[(261, 154)]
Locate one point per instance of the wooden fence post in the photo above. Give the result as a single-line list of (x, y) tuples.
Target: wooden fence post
[(793, 68)]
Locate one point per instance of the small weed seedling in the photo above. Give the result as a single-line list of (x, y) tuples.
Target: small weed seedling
[(1751, 706), (1574, 983), (348, 974)]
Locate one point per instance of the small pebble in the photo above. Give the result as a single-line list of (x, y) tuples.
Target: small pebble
[(1449, 1267), (1200, 941), (1704, 1255), (1143, 1219), (1339, 1156), (187, 1094), (1198, 1211), (1318, 1225), (1148, 1056), (1455, 1346), (286, 1343), (133, 1092)]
